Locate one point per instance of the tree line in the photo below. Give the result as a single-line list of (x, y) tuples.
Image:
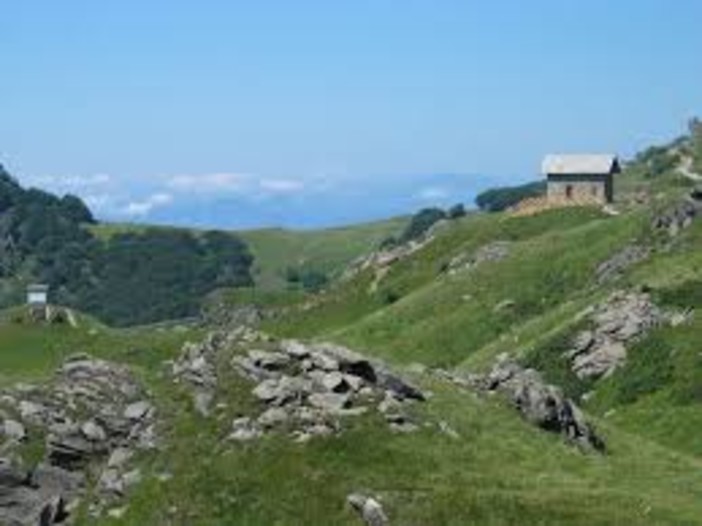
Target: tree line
[(128, 278)]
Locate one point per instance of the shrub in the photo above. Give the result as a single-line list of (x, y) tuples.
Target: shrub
[(457, 211), (421, 222), (498, 199)]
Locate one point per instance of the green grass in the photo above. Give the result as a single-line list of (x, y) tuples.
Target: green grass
[(442, 320), (327, 250), (500, 471), (32, 351)]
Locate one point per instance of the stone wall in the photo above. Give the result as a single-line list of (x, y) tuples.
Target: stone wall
[(596, 189)]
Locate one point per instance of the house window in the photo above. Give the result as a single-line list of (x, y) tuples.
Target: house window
[(594, 191)]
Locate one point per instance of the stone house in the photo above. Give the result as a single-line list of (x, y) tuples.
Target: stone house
[(580, 178)]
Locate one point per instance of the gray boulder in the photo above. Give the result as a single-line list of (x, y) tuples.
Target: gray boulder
[(542, 404), (368, 509), (14, 430)]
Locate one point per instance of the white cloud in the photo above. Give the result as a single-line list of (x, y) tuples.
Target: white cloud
[(97, 201), (70, 182), (433, 193), (145, 207), (210, 183), (281, 186)]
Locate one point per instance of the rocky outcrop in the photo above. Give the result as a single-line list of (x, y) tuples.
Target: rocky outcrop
[(618, 263), (92, 416), (680, 215), (541, 404), (197, 363), (308, 389), (34, 498), (304, 389), (490, 253), (620, 320)]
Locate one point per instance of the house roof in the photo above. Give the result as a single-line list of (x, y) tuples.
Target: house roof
[(37, 287), (581, 164)]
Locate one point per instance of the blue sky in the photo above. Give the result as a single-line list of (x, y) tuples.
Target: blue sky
[(309, 113)]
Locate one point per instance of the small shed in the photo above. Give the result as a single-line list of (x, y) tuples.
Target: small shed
[(37, 294), (585, 178)]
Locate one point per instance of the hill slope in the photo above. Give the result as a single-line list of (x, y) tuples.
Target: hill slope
[(439, 312)]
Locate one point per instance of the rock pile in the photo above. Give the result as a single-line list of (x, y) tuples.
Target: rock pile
[(492, 252), (93, 415), (307, 388), (197, 363), (540, 403), (623, 318), (681, 215), (615, 266)]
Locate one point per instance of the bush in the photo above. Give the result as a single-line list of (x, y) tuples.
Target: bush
[(498, 199), (658, 160), (457, 211), (389, 296), (310, 280), (420, 223)]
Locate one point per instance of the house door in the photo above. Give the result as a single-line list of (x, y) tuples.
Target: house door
[(569, 191)]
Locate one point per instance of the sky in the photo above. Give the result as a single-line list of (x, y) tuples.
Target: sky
[(238, 114)]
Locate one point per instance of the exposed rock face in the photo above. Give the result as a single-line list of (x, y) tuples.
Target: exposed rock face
[(92, 411), (304, 389), (623, 318), (368, 509), (681, 215), (491, 252), (615, 266), (37, 498), (540, 403), (308, 389)]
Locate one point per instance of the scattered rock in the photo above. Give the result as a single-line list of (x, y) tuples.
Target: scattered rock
[(446, 429), (14, 430), (244, 429), (491, 252), (615, 266), (92, 414), (503, 306), (202, 400), (368, 509), (137, 410)]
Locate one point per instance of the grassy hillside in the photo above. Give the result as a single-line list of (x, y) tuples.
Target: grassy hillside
[(432, 308), (277, 249), (499, 470), (327, 250)]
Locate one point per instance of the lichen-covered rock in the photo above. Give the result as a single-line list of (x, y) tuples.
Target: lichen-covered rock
[(620, 320), (89, 414), (368, 509), (540, 403)]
